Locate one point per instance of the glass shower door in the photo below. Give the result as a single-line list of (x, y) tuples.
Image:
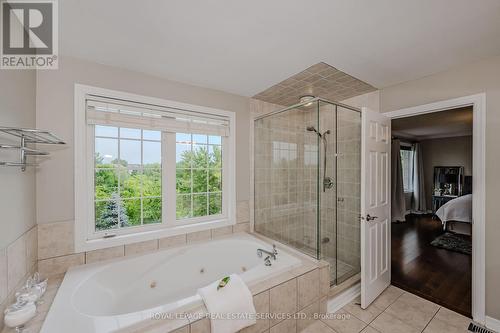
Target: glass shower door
[(348, 176), (286, 178)]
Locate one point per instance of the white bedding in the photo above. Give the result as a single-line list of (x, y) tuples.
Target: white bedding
[(457, 210)]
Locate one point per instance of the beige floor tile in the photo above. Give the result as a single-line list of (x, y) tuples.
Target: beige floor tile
[(389, 296), (344, 322), (413, 310), (386, 323), (369, 329), (286, 326), (447, 321), (317, 327), (367, 315)]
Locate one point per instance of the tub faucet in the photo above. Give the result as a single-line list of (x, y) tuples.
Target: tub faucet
[(272, 254), (267, 261)]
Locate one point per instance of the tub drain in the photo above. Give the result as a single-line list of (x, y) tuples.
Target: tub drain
[(152, 284)]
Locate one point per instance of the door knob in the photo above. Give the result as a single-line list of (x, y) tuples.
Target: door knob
[(369, 217)]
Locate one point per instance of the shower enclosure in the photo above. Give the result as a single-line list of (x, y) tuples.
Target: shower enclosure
[(307, 161)]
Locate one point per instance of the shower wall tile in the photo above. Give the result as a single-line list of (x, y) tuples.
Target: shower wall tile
[(241, 227), (224, 231), (283, 299), (308, 287), (168, 242), (261, 302), (55, 239), (104, 254), (199, 236), (141, 247), (324, 280), (285, 182), (242, 211), (31, 248), (59, 265)]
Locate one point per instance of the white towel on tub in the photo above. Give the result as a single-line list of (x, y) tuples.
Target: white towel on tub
[(234, 300)]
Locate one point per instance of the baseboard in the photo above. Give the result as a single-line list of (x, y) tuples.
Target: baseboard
[(344, 298), (493, 324)]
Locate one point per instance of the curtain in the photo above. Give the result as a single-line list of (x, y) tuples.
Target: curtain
[(419, 203), (398, 206)]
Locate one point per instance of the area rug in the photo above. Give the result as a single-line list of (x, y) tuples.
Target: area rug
[(454, 242)]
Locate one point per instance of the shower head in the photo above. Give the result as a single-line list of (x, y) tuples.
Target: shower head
[(312, 129)]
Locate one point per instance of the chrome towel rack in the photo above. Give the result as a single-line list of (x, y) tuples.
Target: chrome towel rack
[(28, 136)]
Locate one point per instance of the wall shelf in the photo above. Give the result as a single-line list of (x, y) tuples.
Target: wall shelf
[(28, 136)]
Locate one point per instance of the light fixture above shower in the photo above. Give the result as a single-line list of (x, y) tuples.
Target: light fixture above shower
[(306, 98)]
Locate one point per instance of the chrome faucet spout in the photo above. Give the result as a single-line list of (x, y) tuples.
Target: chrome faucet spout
[(271, 254)]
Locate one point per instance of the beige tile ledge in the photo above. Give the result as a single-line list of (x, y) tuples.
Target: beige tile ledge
[(11, 297), (35, 324)]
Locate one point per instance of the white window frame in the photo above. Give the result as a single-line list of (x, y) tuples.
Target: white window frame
[(409, 145), (85, 237)]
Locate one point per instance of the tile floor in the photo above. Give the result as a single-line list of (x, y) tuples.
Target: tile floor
[(395, 311)]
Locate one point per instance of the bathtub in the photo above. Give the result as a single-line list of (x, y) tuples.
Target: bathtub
[(111, 296)]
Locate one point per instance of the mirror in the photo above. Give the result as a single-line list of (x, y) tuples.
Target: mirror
[(448, 181)]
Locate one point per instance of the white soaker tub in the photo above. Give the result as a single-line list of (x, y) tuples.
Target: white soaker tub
[(109, 296)]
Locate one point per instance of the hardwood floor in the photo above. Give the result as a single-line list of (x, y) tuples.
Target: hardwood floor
[(441, 276)]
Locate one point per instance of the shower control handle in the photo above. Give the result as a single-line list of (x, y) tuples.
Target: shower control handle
[(327, 183)]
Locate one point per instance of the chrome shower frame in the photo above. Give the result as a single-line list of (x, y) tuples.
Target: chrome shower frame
[(310, 102)]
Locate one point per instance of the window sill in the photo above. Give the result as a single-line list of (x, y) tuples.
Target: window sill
[(119, 240)]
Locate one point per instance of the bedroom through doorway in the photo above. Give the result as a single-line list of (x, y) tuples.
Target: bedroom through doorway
[(431, 215)]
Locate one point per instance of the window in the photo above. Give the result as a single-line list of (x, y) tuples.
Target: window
[(127, 179), (153, 168), (198, 175), (407, 166)]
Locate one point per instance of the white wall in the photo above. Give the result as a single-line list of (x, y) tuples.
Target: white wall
[(480, 77), (54, 102), (17, 189), (370, 100)]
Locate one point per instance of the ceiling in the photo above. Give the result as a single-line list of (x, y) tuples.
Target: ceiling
[(245, 47), (444, 124)]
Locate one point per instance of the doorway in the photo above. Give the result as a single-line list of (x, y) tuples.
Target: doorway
[(431, 239), (477, 103)]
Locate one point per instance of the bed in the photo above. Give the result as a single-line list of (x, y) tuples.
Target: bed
[(456, 210)]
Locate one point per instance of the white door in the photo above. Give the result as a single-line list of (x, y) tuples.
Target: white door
[(375, 205)]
